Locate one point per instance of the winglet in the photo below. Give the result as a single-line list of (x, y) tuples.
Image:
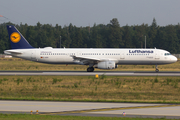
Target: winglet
[(16, 38)]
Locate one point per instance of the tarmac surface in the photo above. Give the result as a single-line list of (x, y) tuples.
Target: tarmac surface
[(91, 109), (84, 73)]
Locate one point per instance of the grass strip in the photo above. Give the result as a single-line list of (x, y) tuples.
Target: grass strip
[(56, 117), (88, 88), (88, 100)]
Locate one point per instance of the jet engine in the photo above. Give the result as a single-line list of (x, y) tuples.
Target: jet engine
[(106, 65)]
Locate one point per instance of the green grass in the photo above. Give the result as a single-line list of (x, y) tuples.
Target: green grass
[(56, 117), (20, 64), (88, 88)]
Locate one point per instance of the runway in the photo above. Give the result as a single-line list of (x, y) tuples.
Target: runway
[(91, 109), (84, 73)]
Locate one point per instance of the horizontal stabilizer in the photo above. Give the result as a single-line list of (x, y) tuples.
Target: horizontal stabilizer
[(11, 52)]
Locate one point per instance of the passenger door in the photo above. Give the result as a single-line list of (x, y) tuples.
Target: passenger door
[(157, 55), (121, 55), (33, 55)]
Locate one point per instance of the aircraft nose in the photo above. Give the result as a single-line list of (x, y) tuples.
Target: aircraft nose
[(174, 59)]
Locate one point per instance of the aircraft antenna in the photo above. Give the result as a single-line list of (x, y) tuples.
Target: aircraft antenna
[(60, 42), (145, 42)]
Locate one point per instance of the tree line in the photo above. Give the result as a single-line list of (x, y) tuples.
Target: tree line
[(111, 35)]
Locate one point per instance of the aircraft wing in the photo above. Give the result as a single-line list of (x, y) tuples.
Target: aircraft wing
[(87, 60)]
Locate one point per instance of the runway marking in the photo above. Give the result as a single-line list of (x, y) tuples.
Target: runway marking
[(107, 109), (132, 114), (136, 114), (59, 73)]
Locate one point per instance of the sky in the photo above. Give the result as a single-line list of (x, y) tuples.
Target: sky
[(89, 12)]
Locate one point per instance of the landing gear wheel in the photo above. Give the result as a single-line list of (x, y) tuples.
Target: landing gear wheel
[(90, 69), (157, 70)]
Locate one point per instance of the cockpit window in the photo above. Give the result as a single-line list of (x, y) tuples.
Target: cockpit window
[(167, 54)]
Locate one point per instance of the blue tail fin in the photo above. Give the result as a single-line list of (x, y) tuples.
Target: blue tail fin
[(16, 39)]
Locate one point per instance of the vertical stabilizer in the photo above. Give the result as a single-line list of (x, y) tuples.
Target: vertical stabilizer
[(16, 39)]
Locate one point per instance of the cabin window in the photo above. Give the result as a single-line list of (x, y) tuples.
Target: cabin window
[(167, 54)]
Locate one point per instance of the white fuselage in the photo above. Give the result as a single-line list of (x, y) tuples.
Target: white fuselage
[(119, 56)]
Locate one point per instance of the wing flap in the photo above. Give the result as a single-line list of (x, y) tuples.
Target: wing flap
[(88, 60), (85, 58)]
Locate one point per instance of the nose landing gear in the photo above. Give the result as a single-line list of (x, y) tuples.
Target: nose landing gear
[(157, 70)]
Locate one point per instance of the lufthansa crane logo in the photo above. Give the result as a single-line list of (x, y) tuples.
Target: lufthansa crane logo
[(15, 37)]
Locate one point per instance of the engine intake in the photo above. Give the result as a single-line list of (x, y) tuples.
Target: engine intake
[(106, 65)]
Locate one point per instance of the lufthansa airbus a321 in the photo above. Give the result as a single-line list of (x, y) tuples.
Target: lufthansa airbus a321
[(105, 58)]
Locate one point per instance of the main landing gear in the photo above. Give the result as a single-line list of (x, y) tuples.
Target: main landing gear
[(157, 70), (90, 69)]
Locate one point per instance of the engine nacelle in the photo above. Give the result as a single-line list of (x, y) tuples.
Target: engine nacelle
[(106, 65)]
